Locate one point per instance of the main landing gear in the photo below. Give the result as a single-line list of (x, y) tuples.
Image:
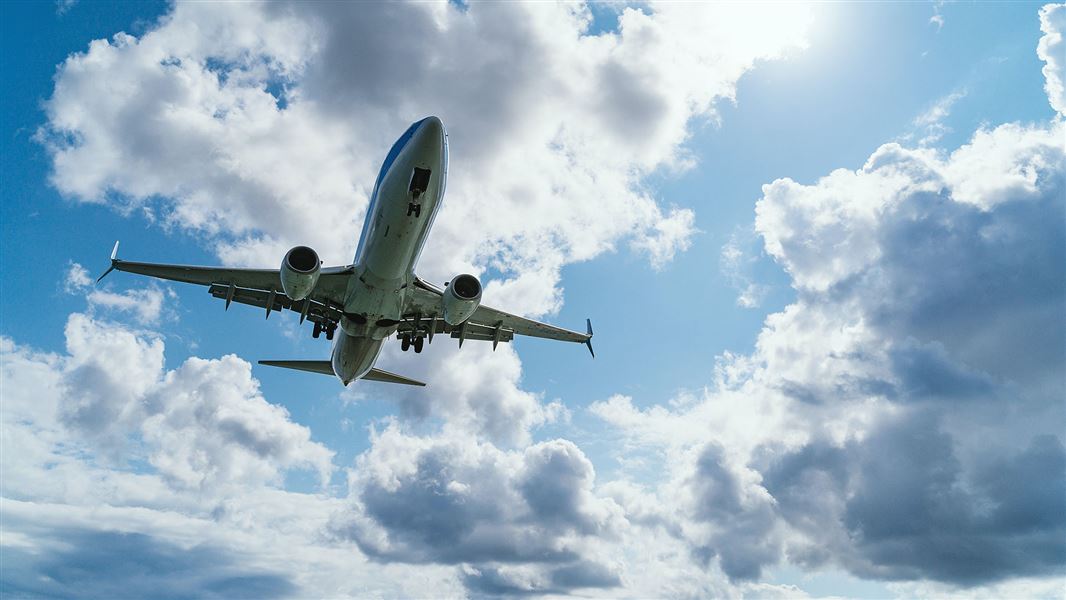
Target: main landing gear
[(406, 343), (319, 328)]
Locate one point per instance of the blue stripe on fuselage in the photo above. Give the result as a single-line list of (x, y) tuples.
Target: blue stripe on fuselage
[(397, 148)]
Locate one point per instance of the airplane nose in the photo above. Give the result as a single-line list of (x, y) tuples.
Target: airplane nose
[(431, 133)]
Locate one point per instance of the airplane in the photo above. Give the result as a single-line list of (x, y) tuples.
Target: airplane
[(378, 295)]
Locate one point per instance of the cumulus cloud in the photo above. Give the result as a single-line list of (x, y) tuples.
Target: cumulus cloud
[(521, 519), (146, 305), (259, 126), (275, 117), (165, 479), (1051, 50), (204, 425), (903, 418)]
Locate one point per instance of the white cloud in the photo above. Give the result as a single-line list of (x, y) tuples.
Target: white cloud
[(146, 305), (524, 520), (930, 124), (276, 117), (76, 279), (549, 146), (1051, 50), (735, 262), (204, 425), (909, 398), (911, 394)]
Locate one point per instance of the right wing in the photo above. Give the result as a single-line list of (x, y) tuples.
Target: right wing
[(255, 287)]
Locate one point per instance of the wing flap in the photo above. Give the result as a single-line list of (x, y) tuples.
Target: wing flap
[(317, 312)]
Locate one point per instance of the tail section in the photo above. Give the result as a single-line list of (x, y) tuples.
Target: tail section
[(324, 367)]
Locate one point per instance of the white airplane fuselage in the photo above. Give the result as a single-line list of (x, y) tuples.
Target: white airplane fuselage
[(398, 219)]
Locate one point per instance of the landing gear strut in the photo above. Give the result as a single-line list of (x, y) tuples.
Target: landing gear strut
[(329, 328)]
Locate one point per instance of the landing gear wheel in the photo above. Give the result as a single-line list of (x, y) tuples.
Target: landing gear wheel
[(405, 344), (418, 345), (330, 331), (317, 331)]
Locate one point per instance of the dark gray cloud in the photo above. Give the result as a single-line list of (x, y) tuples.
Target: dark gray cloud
[(926, 359), (492, 581), (742, 519), (899, 505), (81, 563), (454, 503)]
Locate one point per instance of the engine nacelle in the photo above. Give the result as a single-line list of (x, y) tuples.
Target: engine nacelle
[(299, 272), (461, 298)]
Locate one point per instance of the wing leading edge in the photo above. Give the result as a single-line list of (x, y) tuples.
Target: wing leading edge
[(254, 287)]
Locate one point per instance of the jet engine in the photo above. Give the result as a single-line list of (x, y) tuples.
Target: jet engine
[(461, 299), (299, 272)]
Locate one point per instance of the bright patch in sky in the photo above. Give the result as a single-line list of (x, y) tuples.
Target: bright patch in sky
[(823, 247)]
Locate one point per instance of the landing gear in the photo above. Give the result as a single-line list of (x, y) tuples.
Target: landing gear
[(405, 344), (328, 328), (418, 345)]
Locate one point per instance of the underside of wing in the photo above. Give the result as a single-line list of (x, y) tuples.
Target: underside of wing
[(386, 377), (487, 323), (311, 366), (254, 287)]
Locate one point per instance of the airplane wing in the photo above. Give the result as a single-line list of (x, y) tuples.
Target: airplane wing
[(486, 323), (255, 287)]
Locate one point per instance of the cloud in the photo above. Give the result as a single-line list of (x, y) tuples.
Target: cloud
[(69, 563), (1050, 50), (204, 425), (734, 263), (276, 117), (450, 499), (902, 419), (76, 279), (588, 116), (167, 479), (930, 124), (146, 305)]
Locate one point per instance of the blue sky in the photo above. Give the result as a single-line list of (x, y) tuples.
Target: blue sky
[(691, 160)]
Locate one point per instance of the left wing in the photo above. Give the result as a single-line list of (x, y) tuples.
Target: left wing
[(486, 323)]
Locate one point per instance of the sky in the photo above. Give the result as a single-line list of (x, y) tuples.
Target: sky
[(823, 248)]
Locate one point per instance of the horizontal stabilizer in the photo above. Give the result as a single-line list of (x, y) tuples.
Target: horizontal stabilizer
[(312, 366), (326, 368), (386, 377)]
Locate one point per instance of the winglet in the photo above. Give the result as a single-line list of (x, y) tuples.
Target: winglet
[(114, 254), (588, 342)]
